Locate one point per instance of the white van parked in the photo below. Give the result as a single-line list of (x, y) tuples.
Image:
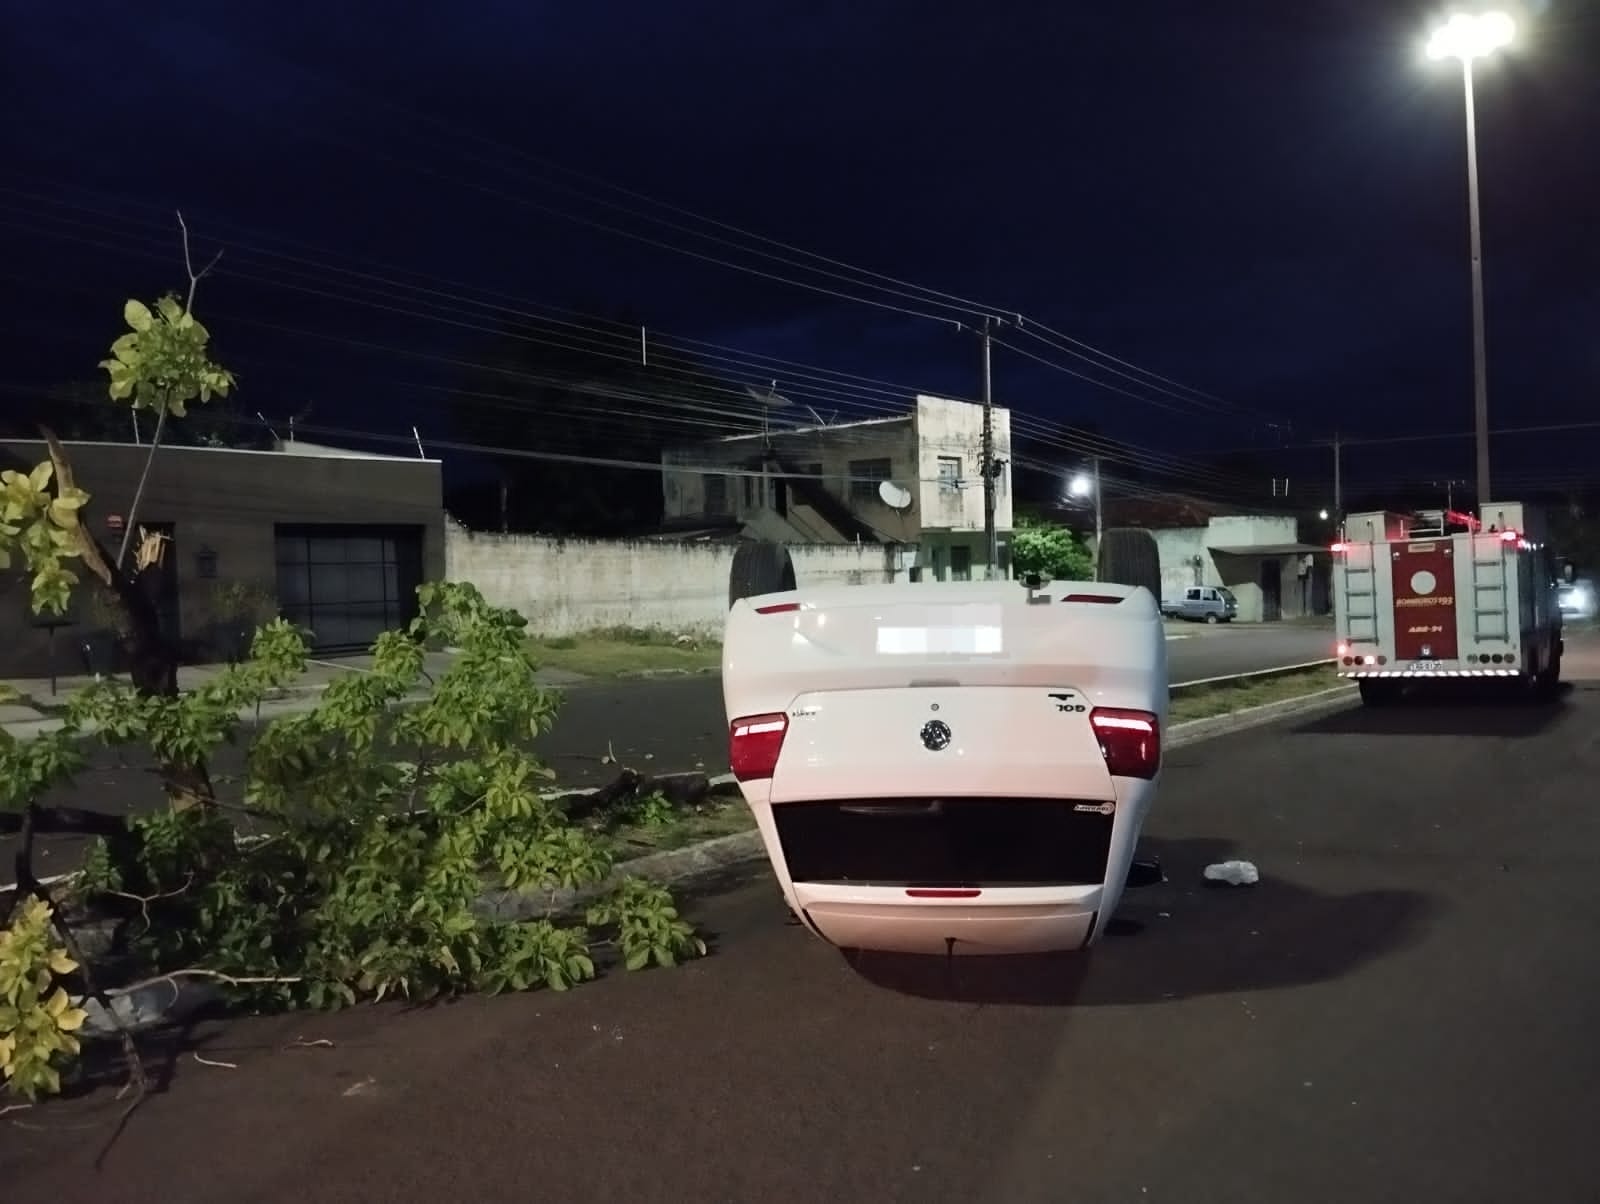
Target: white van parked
[(957, 768)]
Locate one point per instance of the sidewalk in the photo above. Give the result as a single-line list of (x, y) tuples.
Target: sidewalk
[(38, 711)]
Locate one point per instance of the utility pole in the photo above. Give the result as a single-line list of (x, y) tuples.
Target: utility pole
[(990, 540), (1338, 484)]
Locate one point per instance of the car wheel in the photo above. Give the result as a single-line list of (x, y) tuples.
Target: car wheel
[(1213, 619), (760, 567)]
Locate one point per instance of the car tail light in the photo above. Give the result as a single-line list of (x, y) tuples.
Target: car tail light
[(1509, 537), (1130, 741), (777, 608), (1107, 599), (754, 743), (1339, 547)]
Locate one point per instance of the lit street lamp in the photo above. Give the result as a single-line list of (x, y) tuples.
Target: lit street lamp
[(1088, 485), (1467, 37)]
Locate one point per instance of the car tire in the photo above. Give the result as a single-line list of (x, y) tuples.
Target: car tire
[(760, 567), (1547, 684), (1213, 618), (1129, 556)]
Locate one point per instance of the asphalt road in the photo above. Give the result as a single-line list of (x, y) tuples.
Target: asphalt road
[(1403, 1010)]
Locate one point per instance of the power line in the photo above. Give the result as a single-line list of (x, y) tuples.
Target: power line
[(1154, 460)]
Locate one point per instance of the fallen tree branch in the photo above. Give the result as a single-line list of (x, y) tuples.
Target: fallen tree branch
[(144, 901), (233, 980), (679, 789)]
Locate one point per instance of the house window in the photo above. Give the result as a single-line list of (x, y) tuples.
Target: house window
[(865, 477), (950, 473), (716, 493), (960, 563)]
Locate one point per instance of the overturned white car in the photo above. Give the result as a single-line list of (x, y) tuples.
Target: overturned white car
[(949, 768)]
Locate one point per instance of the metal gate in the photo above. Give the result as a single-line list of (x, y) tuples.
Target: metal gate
[(348, 584)]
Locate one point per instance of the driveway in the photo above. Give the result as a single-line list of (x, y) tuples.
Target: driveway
[(1403, 1010)]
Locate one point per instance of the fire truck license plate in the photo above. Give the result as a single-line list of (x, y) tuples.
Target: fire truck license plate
[(1427, 666)]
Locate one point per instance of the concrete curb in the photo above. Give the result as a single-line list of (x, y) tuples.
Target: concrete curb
[(1197, 730)]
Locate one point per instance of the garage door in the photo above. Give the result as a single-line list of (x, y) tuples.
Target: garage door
[(348, 584)]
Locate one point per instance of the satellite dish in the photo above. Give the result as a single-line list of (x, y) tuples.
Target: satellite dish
[(894, 496), (769, 397)]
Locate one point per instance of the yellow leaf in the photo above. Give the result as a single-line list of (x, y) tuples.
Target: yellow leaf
[(57, 1004), (71, 1020), (61, 963), (137, 315), (7, 1044)]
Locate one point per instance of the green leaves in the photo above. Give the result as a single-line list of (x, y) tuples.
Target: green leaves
[(390, 807), (39, 525), (1053, 551), (37, 1018), (649, 928), (136, 315), (162, 362)]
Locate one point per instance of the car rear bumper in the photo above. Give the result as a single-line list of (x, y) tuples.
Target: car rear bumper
[(1007, 921)]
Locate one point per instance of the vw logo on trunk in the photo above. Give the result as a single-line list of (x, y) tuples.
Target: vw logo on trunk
[(935, 735)]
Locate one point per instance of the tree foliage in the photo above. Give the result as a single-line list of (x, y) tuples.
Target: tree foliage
[(390, 808), (38, 1022), (39, 523), (161, 363), (1050, 550)]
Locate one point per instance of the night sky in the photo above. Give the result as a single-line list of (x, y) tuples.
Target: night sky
[(1267, 209)]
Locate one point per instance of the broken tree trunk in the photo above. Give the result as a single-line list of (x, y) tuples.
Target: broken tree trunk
[(152, 658)]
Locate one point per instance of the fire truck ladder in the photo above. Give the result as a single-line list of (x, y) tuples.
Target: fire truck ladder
[(1491, 619), (1360, 595)]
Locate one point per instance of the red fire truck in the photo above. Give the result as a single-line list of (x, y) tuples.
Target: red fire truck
[(1439, 594)]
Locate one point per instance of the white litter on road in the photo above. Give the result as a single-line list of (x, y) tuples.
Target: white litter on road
[(1234, 873)]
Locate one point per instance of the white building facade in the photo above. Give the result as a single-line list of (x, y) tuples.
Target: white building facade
[(827, 484)]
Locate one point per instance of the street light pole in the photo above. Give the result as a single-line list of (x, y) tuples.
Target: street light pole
[(1468, 37), (1480, 356)]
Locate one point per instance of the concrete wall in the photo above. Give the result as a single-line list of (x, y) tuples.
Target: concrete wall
[(570, 585), (1179, 549), (229, 502)]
